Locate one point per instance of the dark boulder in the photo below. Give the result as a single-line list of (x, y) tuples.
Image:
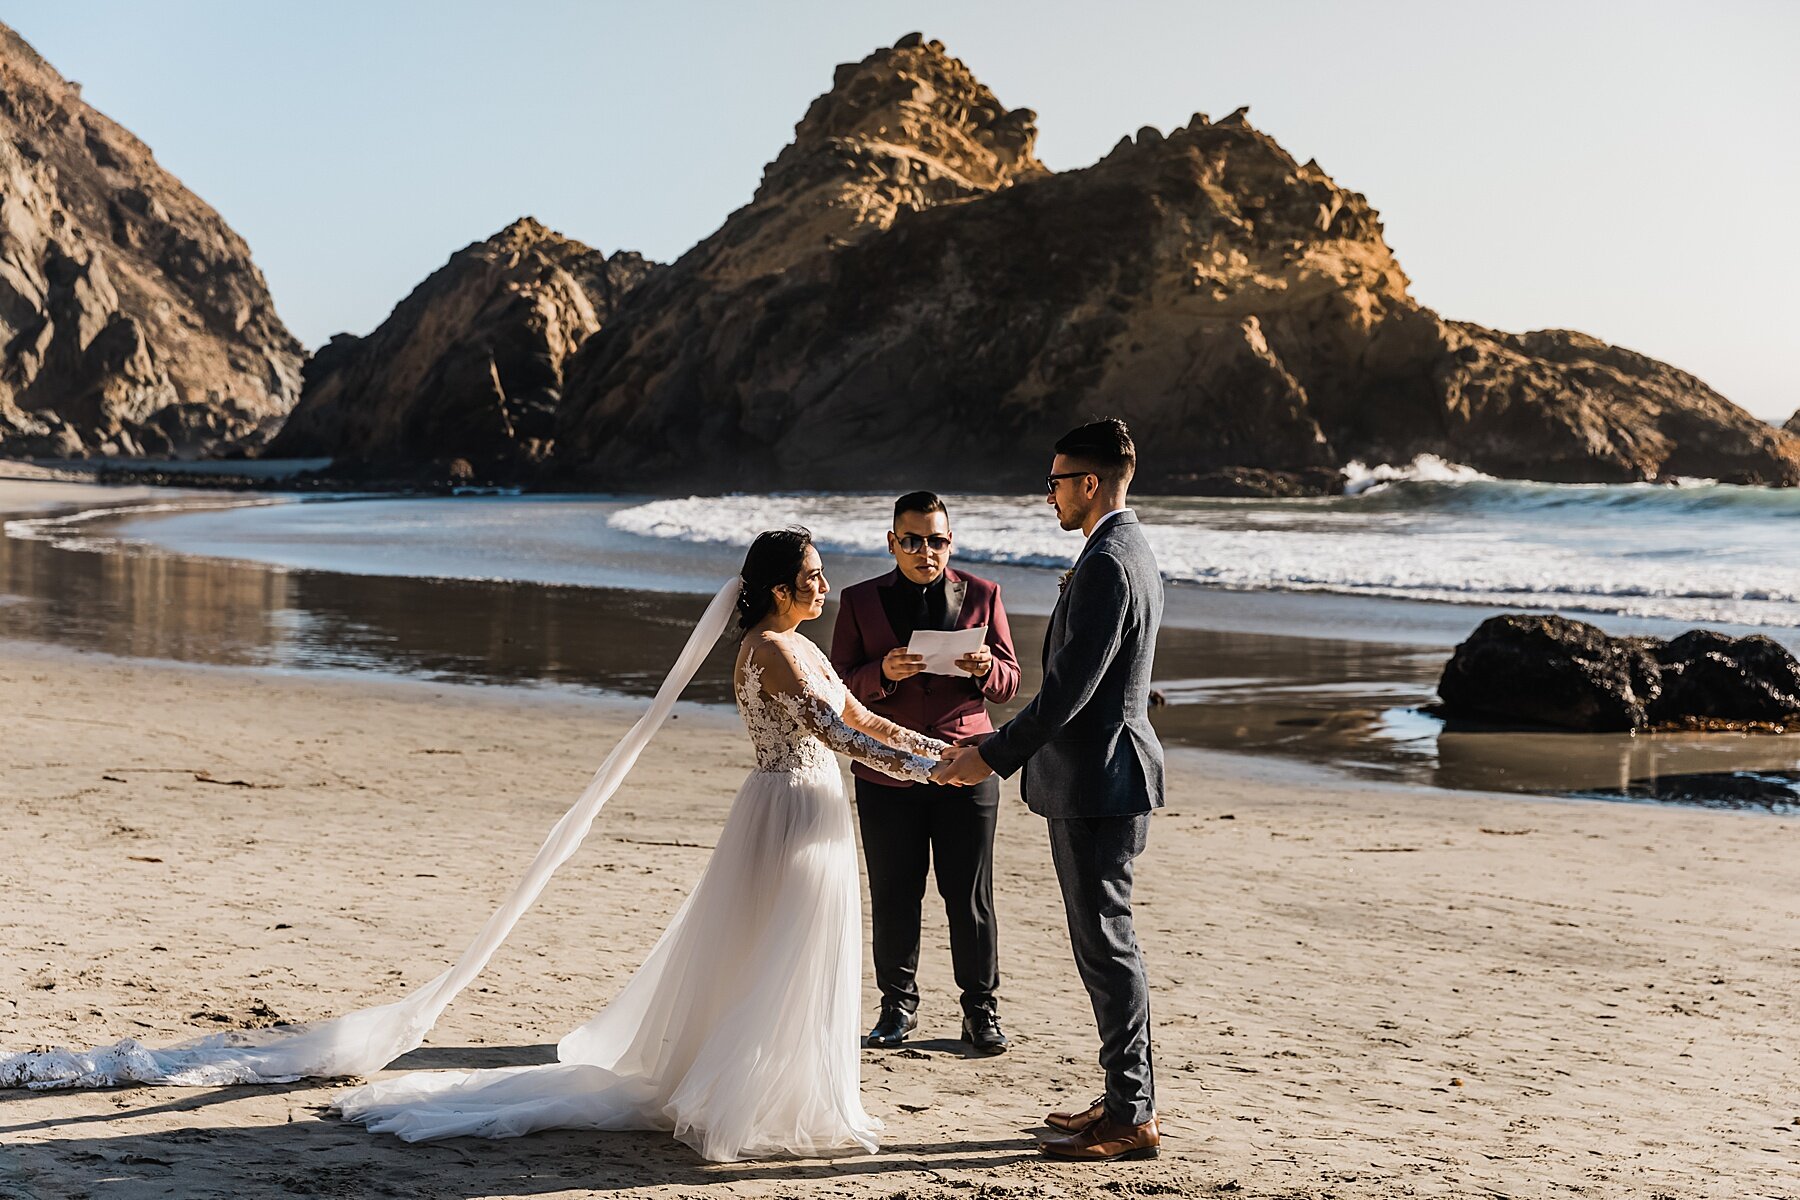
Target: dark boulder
[(1548, 670), (1709, 675)]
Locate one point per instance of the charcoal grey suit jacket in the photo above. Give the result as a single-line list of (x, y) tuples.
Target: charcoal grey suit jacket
[(1085, 740)]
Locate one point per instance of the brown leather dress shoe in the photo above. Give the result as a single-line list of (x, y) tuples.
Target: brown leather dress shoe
[(1107, 1140), (1075, 1122)]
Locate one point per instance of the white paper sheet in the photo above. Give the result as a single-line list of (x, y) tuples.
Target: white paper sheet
[(942, 647)]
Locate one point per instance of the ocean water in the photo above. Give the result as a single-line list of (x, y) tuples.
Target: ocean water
[(1701, 552), (1698, 553)]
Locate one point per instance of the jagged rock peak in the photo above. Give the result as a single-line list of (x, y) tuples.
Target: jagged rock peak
[(920, 116), (1793, 422)]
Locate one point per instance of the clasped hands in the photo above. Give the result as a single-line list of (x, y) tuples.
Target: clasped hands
[(961, 765)]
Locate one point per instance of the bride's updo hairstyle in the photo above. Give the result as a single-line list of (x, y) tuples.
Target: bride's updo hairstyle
[(774, 560)]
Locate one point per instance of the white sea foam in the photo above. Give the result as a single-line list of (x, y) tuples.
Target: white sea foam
[(1429, 531), (1705, 552), (1359, 477)]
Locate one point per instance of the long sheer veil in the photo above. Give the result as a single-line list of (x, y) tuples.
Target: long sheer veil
[(361, 1042)]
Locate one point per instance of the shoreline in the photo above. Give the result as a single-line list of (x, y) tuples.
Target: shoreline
[(1359, 990), (1339, 686), (689, 568)]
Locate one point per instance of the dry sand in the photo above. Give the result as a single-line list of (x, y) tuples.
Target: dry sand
[(1358, 992)]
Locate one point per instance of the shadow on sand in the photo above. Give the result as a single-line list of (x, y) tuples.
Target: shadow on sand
[(310, 1153)]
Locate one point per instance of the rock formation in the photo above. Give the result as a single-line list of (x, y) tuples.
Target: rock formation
[(1523, 668), (1793, 423), (132, 319), (911, 298), (722, 370), (470, 365), (1707, 676)]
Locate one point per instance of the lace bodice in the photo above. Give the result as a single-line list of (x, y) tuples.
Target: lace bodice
[(795, 707)]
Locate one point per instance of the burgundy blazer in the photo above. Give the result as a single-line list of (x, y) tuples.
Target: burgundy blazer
[(945, 706)]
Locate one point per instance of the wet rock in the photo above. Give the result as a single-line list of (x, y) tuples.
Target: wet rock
[(1709, 676), (1548, 670)]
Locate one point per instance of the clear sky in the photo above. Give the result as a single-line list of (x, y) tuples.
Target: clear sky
[(1629, 169)]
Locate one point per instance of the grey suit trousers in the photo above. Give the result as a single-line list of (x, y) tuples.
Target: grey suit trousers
[(1093, 857)]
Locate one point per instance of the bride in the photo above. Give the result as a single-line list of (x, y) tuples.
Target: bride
[(738, 1034)]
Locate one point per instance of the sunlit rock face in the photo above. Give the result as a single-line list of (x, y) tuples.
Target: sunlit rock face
[(132, 319), (911, 298)]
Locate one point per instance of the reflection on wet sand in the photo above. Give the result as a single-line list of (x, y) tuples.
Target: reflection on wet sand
[(1349, 704), (1727, 769), (142, 604)]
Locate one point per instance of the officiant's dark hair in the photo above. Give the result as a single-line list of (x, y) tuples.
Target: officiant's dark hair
[(774, 560), (920, 502), (1105, 444)]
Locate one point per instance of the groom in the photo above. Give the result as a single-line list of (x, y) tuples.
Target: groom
[(1093, 766)]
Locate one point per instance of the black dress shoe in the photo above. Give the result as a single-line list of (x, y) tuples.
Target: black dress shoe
[(891, 1028), (981, 1029)]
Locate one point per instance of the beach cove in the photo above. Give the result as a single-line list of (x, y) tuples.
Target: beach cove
[(1362, 988)]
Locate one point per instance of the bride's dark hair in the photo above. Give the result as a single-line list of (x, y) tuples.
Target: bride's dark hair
[(774, 560)]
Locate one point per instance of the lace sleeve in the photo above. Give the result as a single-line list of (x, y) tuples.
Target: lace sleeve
[(891, 732), (784, 684)]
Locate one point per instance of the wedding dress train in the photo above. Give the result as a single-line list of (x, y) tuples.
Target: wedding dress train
[(739, 1032)]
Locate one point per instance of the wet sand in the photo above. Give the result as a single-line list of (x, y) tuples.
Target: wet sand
[(1359, 991)]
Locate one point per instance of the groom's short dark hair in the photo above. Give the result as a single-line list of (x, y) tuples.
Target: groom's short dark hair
[(1105, 444), (919, 502)]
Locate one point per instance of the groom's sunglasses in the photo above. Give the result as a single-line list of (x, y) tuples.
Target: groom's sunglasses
[(912, 543), (1051, 480)]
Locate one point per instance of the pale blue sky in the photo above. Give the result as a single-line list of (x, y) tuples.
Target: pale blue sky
[(1628, 169)]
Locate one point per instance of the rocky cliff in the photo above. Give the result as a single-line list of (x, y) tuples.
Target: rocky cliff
[(131, 316), (470, 365), (912, 299)]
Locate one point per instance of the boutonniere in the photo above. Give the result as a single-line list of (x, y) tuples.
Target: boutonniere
[(1062, 581)]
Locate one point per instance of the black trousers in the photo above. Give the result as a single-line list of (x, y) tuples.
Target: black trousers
[(1093, 857), (903, 831)]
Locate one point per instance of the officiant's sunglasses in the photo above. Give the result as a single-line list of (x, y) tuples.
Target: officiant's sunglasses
[(912, 543), (1050, 480)]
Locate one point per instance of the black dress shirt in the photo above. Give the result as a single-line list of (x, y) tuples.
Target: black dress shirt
[(910, 606)]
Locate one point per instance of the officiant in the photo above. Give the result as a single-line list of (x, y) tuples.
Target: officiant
[(911, 829)]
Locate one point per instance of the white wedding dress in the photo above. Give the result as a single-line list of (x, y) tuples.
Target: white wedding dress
[(739, 1032)]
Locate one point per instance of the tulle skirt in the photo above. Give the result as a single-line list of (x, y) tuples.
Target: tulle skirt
[(739, 1032)]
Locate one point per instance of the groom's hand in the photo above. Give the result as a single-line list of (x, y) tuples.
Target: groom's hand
[(961, 766)]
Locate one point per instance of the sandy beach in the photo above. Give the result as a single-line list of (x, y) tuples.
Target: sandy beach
[(1361, 992)]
